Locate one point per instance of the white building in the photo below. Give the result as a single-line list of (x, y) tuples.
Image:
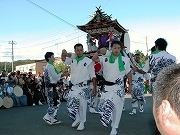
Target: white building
[(35, 67)]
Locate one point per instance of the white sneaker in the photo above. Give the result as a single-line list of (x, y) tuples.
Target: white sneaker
[(75, 123), (141, 108), (141, 111), (113, 131), (55, 121), (34, 104), (40, 103), (46, 118), (133, 112), (50, 121), (81, 126), (92, 110)]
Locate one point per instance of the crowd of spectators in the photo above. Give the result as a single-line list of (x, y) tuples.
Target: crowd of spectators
[(32, 86)]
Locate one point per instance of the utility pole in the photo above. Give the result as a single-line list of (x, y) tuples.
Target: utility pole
[(12, 43), (5, 66), (57, 49)]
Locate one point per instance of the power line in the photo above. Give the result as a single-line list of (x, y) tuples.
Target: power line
[(38, 44), (50, 34), (106, 3), (137, 42), (3, 41), (61, 20), (5, 52), (5, 56), (55, 17), (56, 43), (7, 48), (64, 41), (47, 41), (63, 30), (144, 36), (51, 13)]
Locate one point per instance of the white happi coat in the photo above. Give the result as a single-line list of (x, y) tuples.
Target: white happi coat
[(51, 77), (112, 94), (81, 73), (156, 62)]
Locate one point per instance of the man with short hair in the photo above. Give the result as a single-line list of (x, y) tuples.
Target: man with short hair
[(166, 100), (137, 94), (51, 77), (82, 72), (158, 60), (115, 67)]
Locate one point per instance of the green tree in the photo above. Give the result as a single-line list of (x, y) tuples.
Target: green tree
[(16, 63), (143, 57), (6, 65), (60, 66)]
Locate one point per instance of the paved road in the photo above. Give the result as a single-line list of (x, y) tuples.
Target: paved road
[(28, 121)]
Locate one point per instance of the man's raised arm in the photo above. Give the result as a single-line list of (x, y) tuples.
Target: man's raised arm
[(64, 54), (102, 51)]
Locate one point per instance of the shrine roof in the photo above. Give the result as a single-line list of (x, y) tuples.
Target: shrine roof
[(101, 20)]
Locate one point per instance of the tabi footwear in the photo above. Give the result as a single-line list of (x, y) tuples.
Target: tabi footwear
[(81, 126), (133, 112), (92, 110), (46, 118), (113, 131), (75, 123)]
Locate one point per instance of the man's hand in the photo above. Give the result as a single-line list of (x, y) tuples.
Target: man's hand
[(135, 69), (103, 51), (130, 88), (65, 73), (94, 91), (64, 55)]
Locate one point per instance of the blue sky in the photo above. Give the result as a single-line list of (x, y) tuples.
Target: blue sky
[(35, 31)]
